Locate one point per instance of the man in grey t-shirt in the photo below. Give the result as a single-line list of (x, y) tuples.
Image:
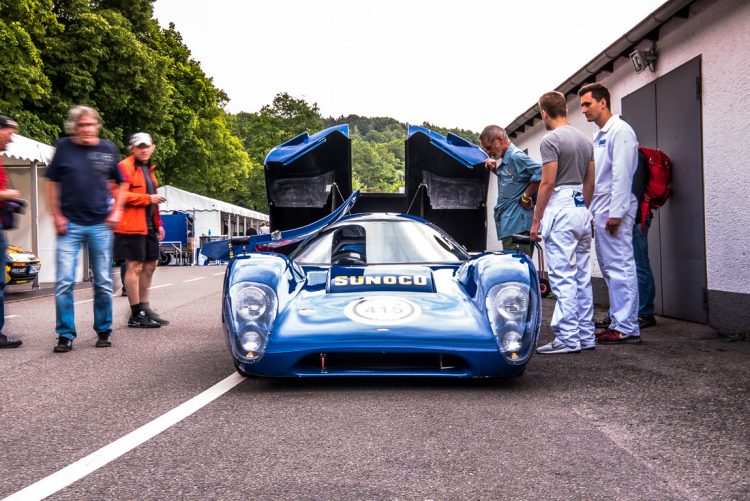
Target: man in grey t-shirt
[(562, 219)]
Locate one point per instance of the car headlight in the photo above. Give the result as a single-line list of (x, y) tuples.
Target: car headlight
[(512, 302), (508, 312), (11, 258), (251, 341), (252, 303), (253, 311), (512, 341)]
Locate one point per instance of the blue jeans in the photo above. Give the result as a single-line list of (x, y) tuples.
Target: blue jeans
[(646, 287), (98, 237), (3, 246)]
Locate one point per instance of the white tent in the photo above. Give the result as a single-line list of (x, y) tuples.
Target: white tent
[(211, 217), (25, 162)]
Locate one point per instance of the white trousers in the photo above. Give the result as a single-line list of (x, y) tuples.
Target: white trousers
[(566, 231), (615, 255)]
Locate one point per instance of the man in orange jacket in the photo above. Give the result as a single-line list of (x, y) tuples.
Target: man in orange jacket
[(140, 230)]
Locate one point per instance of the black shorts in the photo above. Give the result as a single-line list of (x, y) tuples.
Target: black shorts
[(141, 248)]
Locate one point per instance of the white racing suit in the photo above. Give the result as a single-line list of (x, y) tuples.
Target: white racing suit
[(566, 231), (615, 255)]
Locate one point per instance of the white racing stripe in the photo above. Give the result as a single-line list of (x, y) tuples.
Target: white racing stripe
[(10, 316), (76, 471), (157, 286), (193, 279)]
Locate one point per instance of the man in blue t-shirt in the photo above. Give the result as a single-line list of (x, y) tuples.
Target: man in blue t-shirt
[(517, 180), (79, 194)]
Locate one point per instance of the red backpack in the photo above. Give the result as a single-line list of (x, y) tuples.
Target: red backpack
[(651, 181)]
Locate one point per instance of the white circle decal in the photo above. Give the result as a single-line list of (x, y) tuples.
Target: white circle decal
[(382, 310)]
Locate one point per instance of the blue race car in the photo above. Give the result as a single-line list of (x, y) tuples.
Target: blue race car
[(375, 295)]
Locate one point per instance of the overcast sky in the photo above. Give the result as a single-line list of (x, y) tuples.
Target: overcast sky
[(464, 63)]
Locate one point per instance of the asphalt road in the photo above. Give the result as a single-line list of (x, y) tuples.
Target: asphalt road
[(669, 419)]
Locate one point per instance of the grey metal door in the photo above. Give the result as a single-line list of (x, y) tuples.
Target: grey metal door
[(666, 114), (639, 110)]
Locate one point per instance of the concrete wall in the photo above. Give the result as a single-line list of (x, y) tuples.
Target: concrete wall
[(718, 31)]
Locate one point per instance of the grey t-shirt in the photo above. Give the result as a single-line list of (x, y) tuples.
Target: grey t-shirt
[(572, 151)]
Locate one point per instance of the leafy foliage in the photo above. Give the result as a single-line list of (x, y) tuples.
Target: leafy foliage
[(285, 118), (27, 27), (112, 55), (378, 155)]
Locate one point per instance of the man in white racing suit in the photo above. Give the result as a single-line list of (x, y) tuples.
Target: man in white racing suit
[(562, 219), (613, 209)]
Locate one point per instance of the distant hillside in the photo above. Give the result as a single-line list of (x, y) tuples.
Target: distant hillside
[(377, 145), (384, 129), (378, 149)]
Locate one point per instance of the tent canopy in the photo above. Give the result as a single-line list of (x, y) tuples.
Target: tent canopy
[(181, 200), (27, 150)]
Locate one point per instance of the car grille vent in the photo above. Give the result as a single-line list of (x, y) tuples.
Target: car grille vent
[(383, 362)]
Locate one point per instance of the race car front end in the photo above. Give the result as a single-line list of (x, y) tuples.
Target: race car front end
[(21, 266), (350, 322)]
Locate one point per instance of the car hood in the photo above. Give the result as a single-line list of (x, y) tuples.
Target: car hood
[(228, 249), (416, 303), (20, 255)]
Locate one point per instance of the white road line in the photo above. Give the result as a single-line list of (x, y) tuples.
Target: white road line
[(10, 316), (157, 286), (193, 279), (76, 471), (220, 273), (83, 301)]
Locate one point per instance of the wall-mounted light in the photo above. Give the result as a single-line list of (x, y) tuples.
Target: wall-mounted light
[(643, 59)]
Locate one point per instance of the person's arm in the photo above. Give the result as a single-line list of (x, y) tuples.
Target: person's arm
[(547, 184), (491, 165), (115, 215), (588, 183), (533, 170), (123, 184), (9, 194), (531, 189), (160, 232), (52, 189), (624, 160), (128, 197)]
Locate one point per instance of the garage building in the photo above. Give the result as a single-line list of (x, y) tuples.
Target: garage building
[(690, 103)]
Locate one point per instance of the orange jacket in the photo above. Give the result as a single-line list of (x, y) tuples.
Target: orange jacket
[(136, 199)]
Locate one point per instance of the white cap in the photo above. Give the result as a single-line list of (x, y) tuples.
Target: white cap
[(141, 138)]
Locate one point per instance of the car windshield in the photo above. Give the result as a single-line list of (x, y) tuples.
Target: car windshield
[(380, 242)]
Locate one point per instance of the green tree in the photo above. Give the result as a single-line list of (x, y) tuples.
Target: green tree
[(466, 134), (99, 61), (276, 123), (375, 168), (25, 30), (199, 151), (112, 55), (378, 153)]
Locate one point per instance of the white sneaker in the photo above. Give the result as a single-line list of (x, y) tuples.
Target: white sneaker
[(557, 347), (589, 346)]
